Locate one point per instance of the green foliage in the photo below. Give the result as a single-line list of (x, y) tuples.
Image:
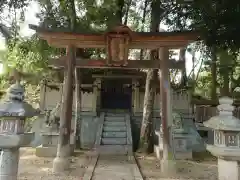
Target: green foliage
[(217, 20), (17, 4), (29, 56)]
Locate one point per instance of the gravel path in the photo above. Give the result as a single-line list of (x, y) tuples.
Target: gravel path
[(187, 170), (35, 168)]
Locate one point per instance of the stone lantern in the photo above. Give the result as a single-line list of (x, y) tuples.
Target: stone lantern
[(13, 112), (226, 145)]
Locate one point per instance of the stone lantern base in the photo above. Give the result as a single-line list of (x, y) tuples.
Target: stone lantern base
[(227, 169), (9, 163), (49, 145), (9, 157)]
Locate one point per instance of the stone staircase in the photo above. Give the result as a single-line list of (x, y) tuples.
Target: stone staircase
[(114, 136)]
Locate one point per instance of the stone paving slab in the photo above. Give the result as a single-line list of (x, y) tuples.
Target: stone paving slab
[(110, 167)]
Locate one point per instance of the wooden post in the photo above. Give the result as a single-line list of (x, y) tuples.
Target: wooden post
[(166, 114), (98, 101), (96, 86), (61, 162), (43, 89), (136, 96), (78, 103)]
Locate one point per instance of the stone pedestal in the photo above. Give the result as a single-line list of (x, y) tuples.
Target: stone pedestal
[(181, 138), (227, 169), (13, 112), (181, 145), (49, 141), (9, 163), (49, 145), (226, 140), (48, 148)]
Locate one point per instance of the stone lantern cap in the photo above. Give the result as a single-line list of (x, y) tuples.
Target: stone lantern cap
[(13, 104), (225, 121)]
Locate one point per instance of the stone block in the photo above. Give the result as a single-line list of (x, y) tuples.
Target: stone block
[(180, 145), (113, 141), (115, 128), (11, 140), (114, 123), (42, 151), (228, 170), (114, 134), (113, 149), (183, 155), (49, 139), (116, 119)]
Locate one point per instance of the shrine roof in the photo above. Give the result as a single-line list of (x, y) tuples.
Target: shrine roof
[(149, 40)]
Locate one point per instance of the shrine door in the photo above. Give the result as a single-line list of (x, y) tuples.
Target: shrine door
[(116, 94)]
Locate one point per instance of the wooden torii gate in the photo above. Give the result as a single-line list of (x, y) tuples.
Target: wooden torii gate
[(117, 44)]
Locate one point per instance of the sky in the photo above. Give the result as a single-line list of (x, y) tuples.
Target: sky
[(30, 18)]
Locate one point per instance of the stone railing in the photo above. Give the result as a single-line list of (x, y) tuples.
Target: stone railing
[(129, 135), (99, 131)]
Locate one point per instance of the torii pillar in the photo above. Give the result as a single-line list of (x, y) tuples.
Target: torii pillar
[(61, 162), (167, 161)]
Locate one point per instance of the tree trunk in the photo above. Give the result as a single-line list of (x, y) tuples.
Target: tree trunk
[(5, 33), (119, 13), (146, 143), (146, 134), (226, 81), (226, 61), (214, 74), (143, 23), (127, 12), (183, 71)]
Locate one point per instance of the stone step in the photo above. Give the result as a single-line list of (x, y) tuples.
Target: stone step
[(114, 141), (114, 134), (114, 123), (113, 149), (114, 128), (120, 118), (115, 113)]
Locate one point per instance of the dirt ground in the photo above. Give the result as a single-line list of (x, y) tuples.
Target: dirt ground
[(199, 168), (35, 168)]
